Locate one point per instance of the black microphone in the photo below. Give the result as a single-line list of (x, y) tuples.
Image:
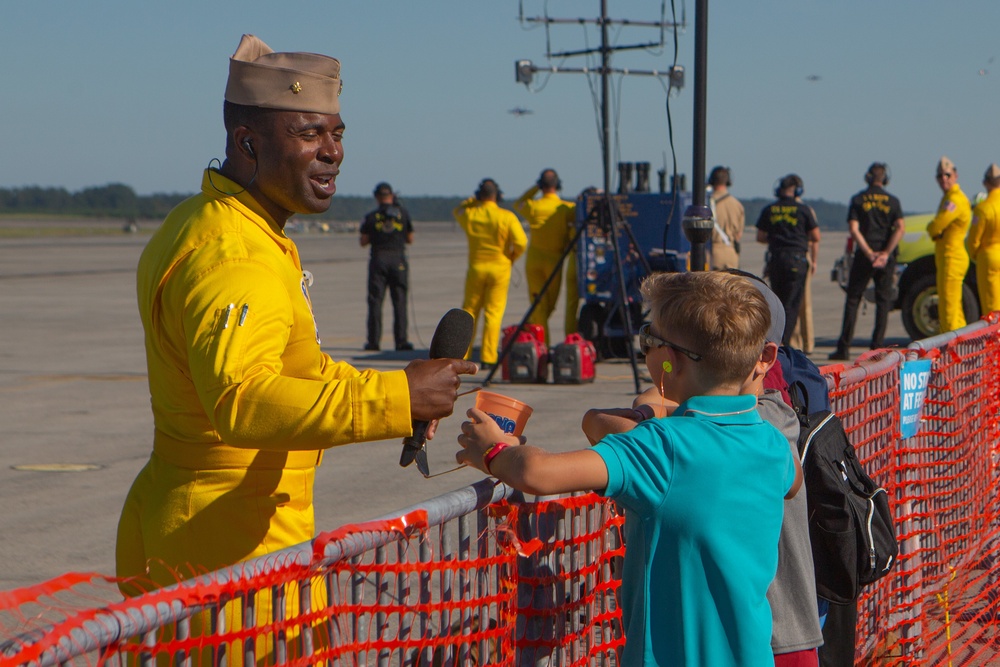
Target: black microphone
[(451, 341)]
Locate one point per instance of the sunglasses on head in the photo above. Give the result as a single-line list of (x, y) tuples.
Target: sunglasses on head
[(648, 341)]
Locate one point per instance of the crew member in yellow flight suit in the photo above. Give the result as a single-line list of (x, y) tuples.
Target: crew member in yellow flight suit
[(496, 240), (983, 242), (948, 229), (551, 221), (244, 400)]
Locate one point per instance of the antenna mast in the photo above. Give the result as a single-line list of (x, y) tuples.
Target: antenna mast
[(525, 69)]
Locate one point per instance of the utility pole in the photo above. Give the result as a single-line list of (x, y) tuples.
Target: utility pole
[(698, 222), (525, 70)]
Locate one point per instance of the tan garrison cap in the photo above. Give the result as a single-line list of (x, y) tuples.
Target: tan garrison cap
[(945, 166), (259, 77), (993, 173)]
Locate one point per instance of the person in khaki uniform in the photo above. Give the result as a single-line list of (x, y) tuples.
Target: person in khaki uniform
[(244, 400), (496, 240), (983, 241), (948, 230), (730, 218), (804, 334), (551, 221)]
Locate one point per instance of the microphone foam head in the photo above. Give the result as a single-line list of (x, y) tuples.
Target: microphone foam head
[(453, 335)]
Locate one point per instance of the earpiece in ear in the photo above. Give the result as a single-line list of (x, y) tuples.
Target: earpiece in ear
[(668, 367), (249, 147)]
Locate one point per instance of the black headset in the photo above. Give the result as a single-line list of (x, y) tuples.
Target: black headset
[(249, 147), (870, 176), (716, 170), (482, 183), (541, 177), (787, 182)]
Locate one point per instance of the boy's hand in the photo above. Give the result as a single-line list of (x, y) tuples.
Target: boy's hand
[(478, 435), (599, 422), (657, 406)]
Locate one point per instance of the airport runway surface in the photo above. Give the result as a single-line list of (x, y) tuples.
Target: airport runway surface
[(74, 404)]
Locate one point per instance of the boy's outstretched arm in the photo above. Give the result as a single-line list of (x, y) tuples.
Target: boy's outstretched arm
[(529, 469), (599, 422)]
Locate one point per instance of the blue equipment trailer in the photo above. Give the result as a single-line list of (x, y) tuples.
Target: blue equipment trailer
[(645, 215)]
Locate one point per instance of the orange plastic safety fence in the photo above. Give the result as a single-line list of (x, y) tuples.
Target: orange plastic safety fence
[(520, 583), (940, 604)]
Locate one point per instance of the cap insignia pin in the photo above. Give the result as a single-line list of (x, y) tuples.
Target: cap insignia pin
[(296, 87)]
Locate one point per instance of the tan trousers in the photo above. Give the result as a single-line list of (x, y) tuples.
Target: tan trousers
[(803, 337)]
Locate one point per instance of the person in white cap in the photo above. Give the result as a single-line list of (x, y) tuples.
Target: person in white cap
[(244, 400), (947, 230), (983, 242)]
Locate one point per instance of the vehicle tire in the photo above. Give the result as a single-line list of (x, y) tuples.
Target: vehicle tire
[(590, 323), (920, 308), (970, 303)]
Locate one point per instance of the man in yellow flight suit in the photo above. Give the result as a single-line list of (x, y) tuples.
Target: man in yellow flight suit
[(496, 240), (551, 221), (983, 241), (244, 400), (947, 230)]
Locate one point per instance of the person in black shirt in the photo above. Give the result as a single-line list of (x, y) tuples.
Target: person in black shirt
[(791, 233), (875, 220), (388, 230)]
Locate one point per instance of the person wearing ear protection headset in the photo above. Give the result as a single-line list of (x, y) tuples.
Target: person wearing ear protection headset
[(496, 240), (730, 218), (875, 220), (551, 222), (388, 229), (791, 233)]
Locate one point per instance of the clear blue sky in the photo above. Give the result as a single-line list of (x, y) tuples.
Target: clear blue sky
[(123, 91)]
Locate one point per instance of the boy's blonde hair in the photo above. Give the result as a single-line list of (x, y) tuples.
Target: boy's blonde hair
[(720, 316)]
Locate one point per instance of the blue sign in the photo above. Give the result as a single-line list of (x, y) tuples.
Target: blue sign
[(913, 376)]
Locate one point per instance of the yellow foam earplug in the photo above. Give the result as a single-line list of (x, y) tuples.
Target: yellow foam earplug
[(667, 367)]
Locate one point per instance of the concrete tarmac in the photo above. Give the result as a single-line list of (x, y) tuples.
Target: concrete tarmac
[(74, 403)]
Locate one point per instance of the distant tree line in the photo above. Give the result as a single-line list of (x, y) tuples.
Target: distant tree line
[(116, 200)]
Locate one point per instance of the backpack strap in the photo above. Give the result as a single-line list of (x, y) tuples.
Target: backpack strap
[(800, 400)]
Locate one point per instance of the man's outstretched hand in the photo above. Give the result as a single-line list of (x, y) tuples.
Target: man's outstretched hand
[(434, 385)]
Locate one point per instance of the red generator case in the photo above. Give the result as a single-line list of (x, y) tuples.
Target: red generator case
[(573, 361), (528, 358)]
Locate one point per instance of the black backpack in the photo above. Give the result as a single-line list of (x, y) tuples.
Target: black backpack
[(850, 523), (806, 385)]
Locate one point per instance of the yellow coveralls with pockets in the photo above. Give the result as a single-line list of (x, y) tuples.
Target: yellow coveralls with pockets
[(551, 221), (983, 244), (948, 229), (244, 401), (496, 240)]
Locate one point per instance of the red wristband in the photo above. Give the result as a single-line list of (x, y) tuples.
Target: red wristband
[(492, 452)]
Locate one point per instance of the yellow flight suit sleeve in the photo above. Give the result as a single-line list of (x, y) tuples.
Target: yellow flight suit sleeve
[(523, 205), (461, 212), (263, 389), (954, 209), (517, 240), (976, 228)]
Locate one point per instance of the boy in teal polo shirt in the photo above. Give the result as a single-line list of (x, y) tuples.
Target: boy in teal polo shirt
[(703, 496)]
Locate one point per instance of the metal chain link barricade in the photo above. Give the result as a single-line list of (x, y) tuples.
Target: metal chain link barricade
[(480, 577)]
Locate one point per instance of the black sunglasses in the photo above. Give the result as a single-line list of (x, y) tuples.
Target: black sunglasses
[(648, 341)]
